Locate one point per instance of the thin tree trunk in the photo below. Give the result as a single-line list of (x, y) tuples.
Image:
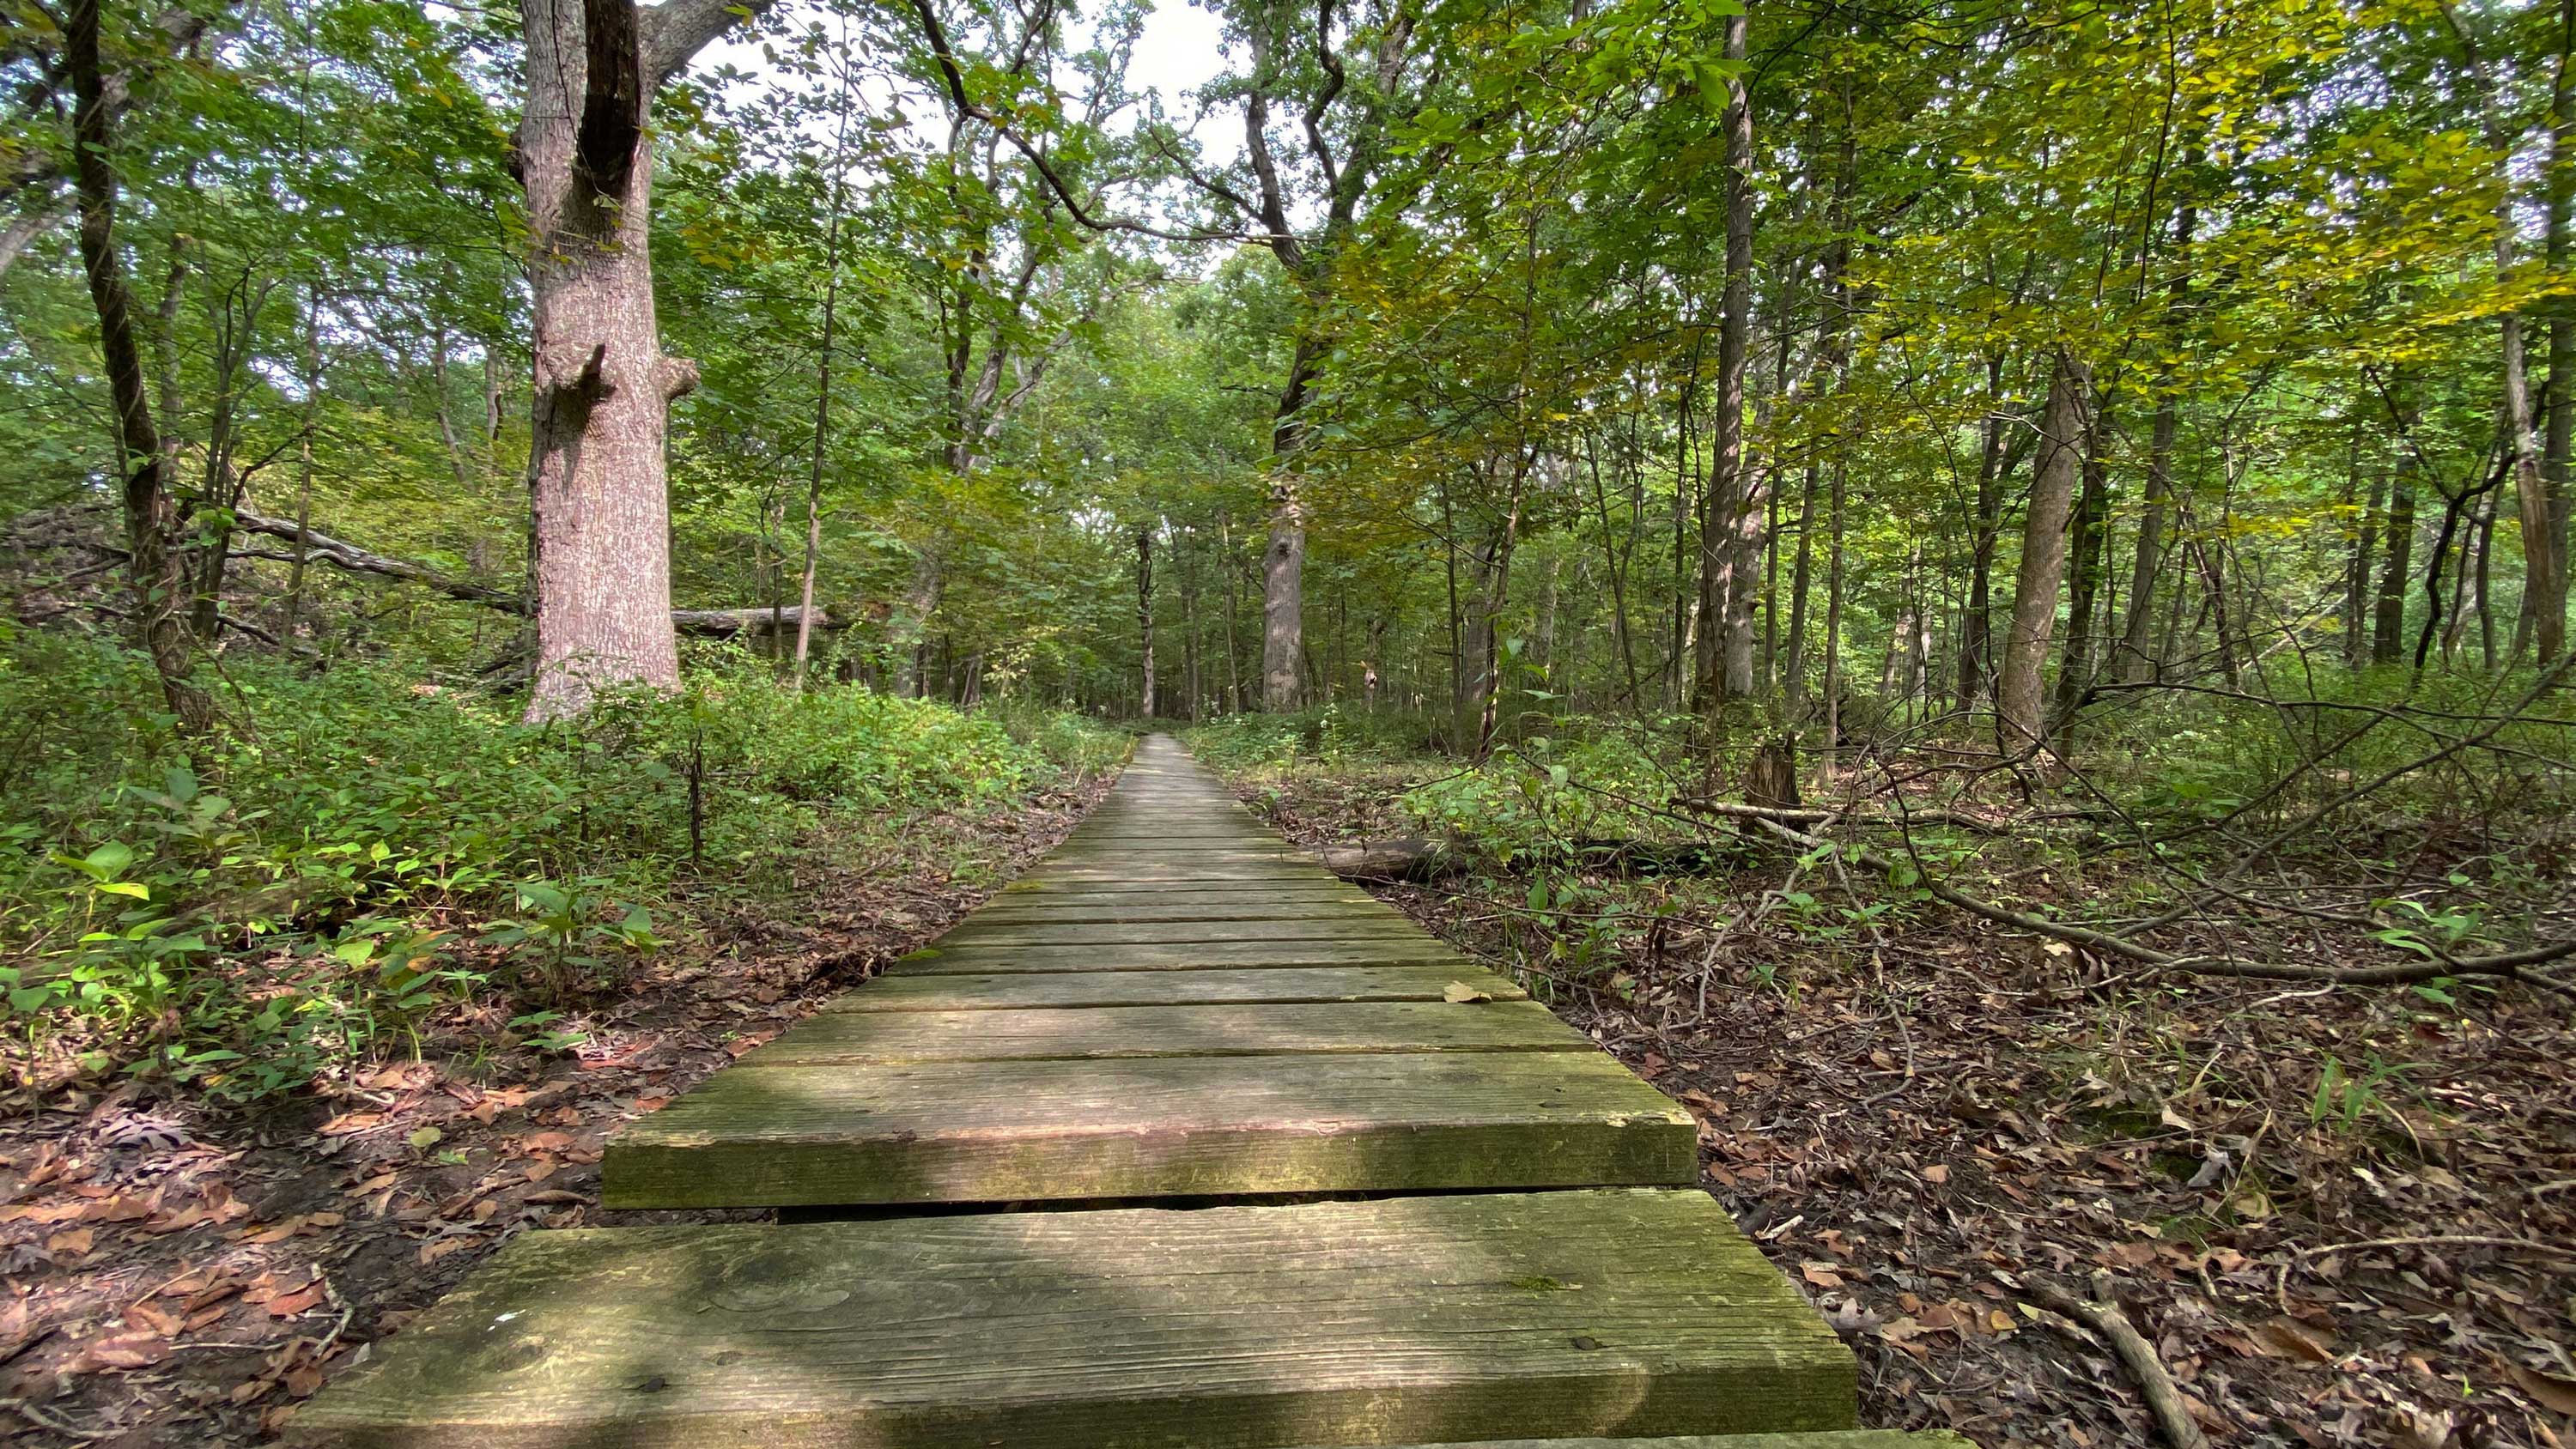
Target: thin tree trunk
[(823, 385), (1976, 643), (1145, 617), (2388, 628), (1233, 611), (2020, 694), (2090, 546), (1794, 666), (2559, 189), (2356, 584), (151, 517), (1825, 756), (1730, 521)]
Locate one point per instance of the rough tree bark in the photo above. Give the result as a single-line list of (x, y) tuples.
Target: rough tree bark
[(156, 566), (2020, 695), (596, 481)]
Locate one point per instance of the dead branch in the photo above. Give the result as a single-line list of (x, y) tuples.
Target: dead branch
[(2106, 1322), (2511, 965)]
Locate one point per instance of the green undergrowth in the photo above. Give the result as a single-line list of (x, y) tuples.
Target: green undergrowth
[(355, 851)]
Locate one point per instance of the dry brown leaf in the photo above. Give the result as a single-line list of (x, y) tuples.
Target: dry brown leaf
[(133, 1349), (1461, 994), (2553, 1393), (2289, 1338)]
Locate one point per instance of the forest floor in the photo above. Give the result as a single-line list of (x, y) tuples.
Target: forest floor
[(1923, 1128), (187, 1276)]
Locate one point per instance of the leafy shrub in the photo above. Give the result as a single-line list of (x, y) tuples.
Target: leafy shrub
[(357, 850)]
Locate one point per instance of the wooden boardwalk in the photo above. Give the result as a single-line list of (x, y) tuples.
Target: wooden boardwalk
[(1178, 1142)]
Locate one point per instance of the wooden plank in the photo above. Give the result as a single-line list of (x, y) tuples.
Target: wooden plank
[(1174, 956), (1249, 907), (1391, 928), (1150, 1127), (1020, 892), (857, 1038), (1418, 1320), (999, 991), (1827, 1439)]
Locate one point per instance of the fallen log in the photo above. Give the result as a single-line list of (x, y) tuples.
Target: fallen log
[(1419, 858), (725, 623), (348, 557)]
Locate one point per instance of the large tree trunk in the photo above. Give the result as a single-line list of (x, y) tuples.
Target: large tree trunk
[(158, 569), (2020, 695), (603, 389), (1283, 563), (1730, 521)]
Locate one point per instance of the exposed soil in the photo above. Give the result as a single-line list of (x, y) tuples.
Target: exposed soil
[(1923, 1123), (182, 1275)]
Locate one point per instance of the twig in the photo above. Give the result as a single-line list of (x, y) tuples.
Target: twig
[(43, 1420), (2106, 1322)]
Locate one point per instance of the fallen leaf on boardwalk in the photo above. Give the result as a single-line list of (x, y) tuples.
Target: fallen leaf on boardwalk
[(1462, 993)]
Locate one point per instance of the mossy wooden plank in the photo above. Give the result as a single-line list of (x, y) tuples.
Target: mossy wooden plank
[(1390, 927), (1150, 1127), (853, 1038), (1173, 956), (1003, 991), (1408, 1321), (1252, 907), (1827, 1439), (1023, 890)]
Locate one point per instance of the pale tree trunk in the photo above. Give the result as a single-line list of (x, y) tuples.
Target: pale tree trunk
[(2544, 570), (1145, 616), (823, 386), (155, 565), (1283, 562), (603, 389), (1730, 521), (2020, 694), (1976, 628)]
